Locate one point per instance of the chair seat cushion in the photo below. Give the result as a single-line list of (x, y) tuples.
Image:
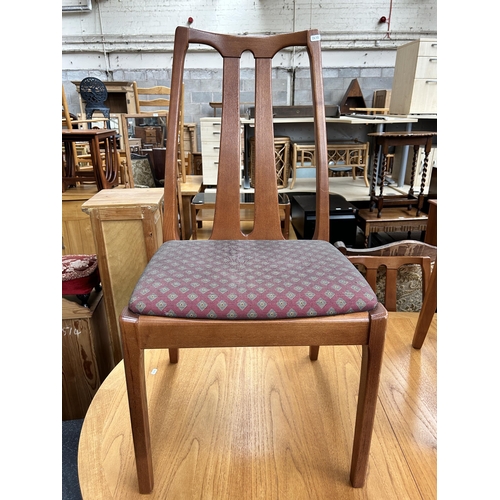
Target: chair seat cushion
[(260, 279)]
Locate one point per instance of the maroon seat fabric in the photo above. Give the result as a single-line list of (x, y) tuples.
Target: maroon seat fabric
[(219, 279), (80, 274)]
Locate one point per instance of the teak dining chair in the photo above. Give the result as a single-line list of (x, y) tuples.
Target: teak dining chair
[(256, 289)]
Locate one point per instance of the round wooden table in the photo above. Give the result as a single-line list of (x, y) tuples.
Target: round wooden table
[(267, 423)]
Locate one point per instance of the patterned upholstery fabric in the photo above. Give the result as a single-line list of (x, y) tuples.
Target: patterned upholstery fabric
[(250, 280), (409, 287), (141, 173)]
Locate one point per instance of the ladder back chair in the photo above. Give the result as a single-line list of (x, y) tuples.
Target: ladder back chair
[(157, 99), (255, 289), (394, 257)]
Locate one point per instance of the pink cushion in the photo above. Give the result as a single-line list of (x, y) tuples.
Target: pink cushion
[(250, 280)]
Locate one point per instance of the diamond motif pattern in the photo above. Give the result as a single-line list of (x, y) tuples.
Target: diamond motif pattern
[(250, 280)]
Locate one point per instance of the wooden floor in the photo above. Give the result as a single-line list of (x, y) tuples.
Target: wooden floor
[(267, 423)]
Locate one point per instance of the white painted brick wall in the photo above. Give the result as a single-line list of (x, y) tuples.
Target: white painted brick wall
[(127, 40), (160, 17)]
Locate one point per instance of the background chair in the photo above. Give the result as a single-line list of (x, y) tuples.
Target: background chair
[(142, 171), (255, 289), (94, 94), (158, 99), (404, 276)]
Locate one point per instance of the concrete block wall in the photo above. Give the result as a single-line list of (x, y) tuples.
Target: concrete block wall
[(202, 86)]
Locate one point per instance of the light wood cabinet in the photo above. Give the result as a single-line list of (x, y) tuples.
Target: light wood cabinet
[(127, 230), (414, 87), (76, 229)]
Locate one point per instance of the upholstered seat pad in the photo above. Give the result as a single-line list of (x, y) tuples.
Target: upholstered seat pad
[(260, 279)]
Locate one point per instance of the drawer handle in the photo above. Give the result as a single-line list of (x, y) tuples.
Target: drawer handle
[(216, 133), (433, 59), (431, 81), (216, 147), (216, 123), (434, 44)]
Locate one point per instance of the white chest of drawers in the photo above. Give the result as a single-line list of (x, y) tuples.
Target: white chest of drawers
[(414, 87), (210, 146)]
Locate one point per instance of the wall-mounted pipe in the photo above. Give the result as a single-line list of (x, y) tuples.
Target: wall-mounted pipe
[(78, 8)]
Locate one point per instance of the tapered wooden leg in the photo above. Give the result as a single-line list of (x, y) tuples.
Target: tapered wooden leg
[(427, 312), (173, 354), (371, 365), (313, 352), (133, 360)]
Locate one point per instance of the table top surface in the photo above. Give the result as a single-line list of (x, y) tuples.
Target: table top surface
[(192, 185), (207, 416), (350, 119), (74, 133), (125, 197)]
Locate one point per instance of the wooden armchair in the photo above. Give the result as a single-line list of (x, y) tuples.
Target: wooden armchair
[(395, 258), (256, 289)]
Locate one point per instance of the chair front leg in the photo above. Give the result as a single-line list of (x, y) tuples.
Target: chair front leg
[(371, 365), (133, 360)]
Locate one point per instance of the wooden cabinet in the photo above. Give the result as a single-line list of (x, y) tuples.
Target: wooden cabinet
[(414, 87), (86, 354), (77, 236), (127, 230), (120, 97)]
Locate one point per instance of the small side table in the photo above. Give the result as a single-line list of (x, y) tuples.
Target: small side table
[(206, 202), (385, 140), (393, 220), (104, 174)]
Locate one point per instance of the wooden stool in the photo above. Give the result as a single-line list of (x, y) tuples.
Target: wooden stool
[(385, 140)]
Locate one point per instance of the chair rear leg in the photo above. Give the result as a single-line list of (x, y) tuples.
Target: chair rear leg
[(133, 360), (426, 315), (313, 352), (173, 354), (371, 366)]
